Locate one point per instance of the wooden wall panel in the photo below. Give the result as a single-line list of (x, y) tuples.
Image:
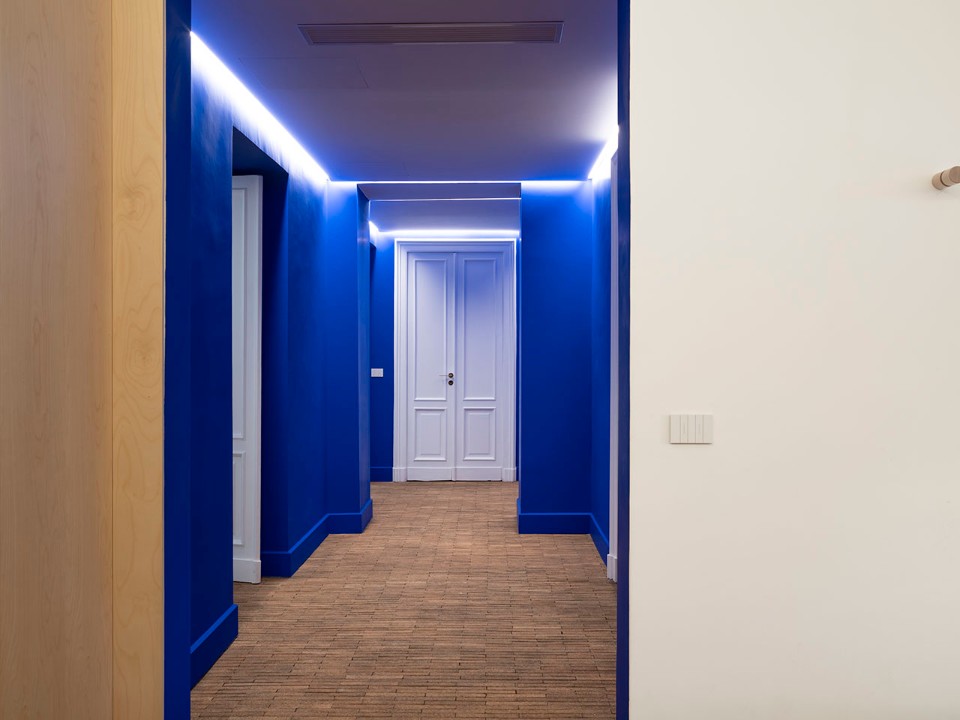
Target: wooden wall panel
[(55, 358), (81, 359), (138, 167)]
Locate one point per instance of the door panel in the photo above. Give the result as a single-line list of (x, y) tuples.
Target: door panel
[(238, 504), (247, 214), (239, 308), (479, 309), (429, 356), (479, 434), (430, 329), (481, 327), (430, 436)]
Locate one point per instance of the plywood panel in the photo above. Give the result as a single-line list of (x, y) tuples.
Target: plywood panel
[(138, 158), (81, 321), (55, 377)]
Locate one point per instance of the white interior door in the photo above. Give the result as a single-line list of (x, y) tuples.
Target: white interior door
[(456, 357), (247, 224)]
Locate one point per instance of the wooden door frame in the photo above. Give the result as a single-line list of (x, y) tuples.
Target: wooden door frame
[(510, 345)]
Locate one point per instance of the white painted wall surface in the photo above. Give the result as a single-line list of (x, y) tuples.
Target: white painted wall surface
[(794, 274)]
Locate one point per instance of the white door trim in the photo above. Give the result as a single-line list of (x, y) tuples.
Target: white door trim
[(509, 360), (246, 510)]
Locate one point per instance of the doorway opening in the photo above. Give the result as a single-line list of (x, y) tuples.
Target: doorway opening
[(259, 190)]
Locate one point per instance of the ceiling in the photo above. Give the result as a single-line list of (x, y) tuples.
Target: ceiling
[(538, 111)]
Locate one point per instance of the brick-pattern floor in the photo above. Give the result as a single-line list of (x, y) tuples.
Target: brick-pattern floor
[(439, 610)]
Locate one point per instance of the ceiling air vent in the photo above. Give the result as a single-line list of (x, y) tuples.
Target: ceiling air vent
[(432, 33)]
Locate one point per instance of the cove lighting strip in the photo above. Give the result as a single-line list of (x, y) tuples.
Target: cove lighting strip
[(601, 168), (452, 233), (253, 110)]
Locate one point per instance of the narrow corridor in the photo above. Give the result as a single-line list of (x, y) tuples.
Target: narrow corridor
[(439, 610)]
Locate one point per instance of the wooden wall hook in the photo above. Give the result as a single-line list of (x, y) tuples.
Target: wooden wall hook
[(943, 180)]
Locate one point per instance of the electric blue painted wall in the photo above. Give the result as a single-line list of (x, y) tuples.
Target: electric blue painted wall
[(304, 386), (176, 368), (382, 356), (346, 295), (314, 323), (600, 370), (213, 618), (555, 398), (275, 528)]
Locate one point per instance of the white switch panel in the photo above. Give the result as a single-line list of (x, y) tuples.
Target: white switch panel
[(376, 372), (691, 429)]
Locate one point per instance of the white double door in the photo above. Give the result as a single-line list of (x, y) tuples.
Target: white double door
[(247, 232), (456, 360)]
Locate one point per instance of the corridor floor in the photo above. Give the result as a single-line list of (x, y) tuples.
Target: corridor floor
[(439, 610)]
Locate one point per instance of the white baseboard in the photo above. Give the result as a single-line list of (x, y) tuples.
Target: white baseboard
[(427, 474), (418, 474), (472, 474), (247, 571), (612, 567)]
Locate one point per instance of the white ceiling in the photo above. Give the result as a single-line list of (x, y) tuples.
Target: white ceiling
[(428, 112)]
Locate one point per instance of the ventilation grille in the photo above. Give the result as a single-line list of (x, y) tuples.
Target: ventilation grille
[(432, 33)]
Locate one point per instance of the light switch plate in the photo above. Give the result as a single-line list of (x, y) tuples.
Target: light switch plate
[(376, 372), (691, 429)]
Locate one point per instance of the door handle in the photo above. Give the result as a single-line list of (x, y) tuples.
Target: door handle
[(448, 375)]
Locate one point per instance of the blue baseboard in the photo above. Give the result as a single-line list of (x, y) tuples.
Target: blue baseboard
[(351, 523), (563, 524), (599, 538), (381, 474), (212, 644), (552, 523), (284, 563)]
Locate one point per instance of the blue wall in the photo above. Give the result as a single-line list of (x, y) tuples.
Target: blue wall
[(555, 397), (314, 322), (600, 371), (213, 616), (382, 356), (176, 368), (346, 295)]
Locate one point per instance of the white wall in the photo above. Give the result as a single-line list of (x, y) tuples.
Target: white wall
[(795, 274)]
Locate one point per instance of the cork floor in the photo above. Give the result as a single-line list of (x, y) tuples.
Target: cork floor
[(439, 610)]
